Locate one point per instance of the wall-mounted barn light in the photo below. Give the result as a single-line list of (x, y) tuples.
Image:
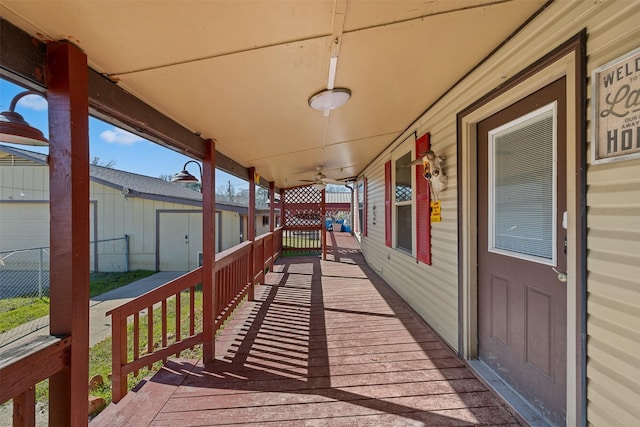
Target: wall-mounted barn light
[(185, 176), (15, 129)]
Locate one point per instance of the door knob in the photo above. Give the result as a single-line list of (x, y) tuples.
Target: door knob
[(562, 275)]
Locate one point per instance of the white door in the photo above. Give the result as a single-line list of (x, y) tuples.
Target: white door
[(180, 240)]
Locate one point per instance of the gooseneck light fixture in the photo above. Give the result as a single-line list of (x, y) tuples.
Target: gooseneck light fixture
[(185, 176), (15, 129)]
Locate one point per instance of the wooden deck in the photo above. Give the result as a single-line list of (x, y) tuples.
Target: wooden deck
[(325, 343)]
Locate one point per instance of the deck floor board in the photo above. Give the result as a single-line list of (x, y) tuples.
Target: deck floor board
[(324, 343)]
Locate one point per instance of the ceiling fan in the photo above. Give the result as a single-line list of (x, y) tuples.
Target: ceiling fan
[(320, 180)]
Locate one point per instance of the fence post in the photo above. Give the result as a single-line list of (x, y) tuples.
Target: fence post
[(40, 275), (126, 253)]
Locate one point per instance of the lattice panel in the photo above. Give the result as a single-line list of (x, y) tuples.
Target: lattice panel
[(302, 207), (302, 217), (302, 195)]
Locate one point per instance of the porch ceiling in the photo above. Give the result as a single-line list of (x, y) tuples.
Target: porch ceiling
[(241, 72)]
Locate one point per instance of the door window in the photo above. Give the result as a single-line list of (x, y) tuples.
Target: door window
[(522, 191)]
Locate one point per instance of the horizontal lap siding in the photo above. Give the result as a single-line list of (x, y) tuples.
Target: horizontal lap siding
[(430, 290), (613, 209), (613, 245)]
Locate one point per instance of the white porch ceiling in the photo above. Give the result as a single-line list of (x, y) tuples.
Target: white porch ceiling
[(241, 72)]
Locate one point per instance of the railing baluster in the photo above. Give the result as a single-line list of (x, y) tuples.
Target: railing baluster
[(192, 310), (150, 332), (178, 323), (164, 326), (24, 408), (233, 273), (119, 356), (136, 339)]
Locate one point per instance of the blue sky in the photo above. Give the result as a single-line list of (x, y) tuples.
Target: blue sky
[(129, 152)]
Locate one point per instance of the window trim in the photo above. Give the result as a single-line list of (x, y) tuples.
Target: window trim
[(407, 146)]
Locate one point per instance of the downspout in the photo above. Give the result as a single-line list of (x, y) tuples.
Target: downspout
[(351, 215)]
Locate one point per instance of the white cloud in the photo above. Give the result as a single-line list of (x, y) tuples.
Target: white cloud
[(33, 102), (120, 137)]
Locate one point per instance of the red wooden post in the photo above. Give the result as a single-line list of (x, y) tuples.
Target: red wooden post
[(272, 207), (119, 357), (251, 230), (24, 408), (209, 291), (283, 216), (323, 213), (67, 84)]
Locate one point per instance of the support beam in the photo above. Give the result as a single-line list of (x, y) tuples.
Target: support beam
[(23, 60), (209, 308), (323, 228), (251, 229), (69, 224), (272, 207)]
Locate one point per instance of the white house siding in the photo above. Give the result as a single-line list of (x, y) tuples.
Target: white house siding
[(430, 290), (229, 229), (24, 206), (136, 217), (613, 199)]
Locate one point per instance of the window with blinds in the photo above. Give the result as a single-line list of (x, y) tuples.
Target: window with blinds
[(522, 187)]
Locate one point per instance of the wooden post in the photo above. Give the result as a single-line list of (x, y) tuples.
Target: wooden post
[(67, 84), (283, 218), (209, 309), (24, 408), (251, 230), (272, 207), (323, 230)]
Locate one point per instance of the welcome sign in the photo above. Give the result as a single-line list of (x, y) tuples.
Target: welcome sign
[(616, 109)]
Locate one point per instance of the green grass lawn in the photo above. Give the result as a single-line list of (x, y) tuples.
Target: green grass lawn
[(100, 354), (104, 282), (18, 311)]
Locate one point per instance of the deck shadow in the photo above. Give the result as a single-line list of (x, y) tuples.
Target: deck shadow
[(329, 342)]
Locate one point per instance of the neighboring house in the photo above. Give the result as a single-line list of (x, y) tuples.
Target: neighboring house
[(338, 208), (162, 220), (336, 202)]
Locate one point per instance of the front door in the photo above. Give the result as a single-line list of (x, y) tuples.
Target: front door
[(522, 299)]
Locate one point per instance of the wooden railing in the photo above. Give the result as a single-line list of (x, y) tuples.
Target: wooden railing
[(25, 366), (234, 278), (302, 239)]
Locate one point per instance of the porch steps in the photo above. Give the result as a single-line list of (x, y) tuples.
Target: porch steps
[(140, 406)]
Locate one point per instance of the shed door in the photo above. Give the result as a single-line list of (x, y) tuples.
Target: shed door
[(521, 240), (180, 240)]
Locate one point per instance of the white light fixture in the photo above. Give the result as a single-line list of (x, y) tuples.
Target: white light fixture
[(318, 186), (329, 99)]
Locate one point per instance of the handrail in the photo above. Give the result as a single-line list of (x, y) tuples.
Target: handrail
[(21, 368), (232, 282)]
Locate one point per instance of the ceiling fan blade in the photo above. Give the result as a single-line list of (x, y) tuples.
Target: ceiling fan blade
[(333, 181)]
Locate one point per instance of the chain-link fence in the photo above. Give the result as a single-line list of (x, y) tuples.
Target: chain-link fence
[(24, 284)]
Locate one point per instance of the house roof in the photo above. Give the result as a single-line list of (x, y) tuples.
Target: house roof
[(130, 183), (338, 197), (134, 185)]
